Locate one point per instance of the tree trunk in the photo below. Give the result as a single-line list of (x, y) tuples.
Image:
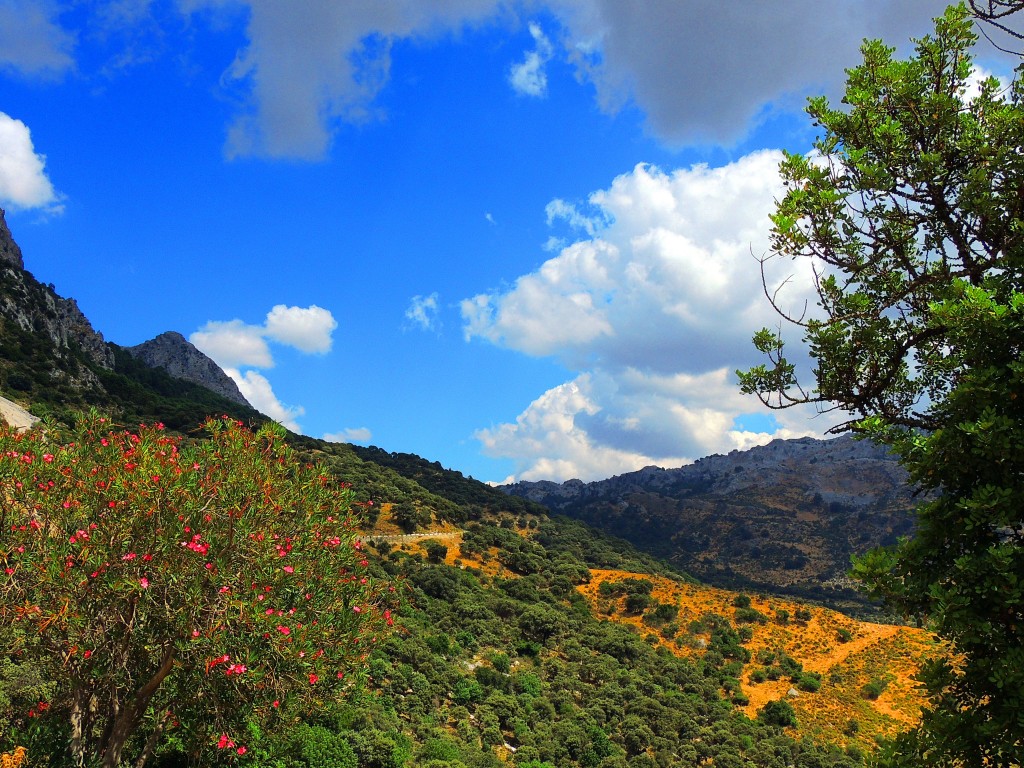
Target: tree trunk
[(127, 720)]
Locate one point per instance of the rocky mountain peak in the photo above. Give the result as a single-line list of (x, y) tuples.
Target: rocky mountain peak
[(10, 253), (176, 355), (39, 309)]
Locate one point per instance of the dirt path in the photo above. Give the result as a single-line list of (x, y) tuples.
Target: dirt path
[(408, 538)]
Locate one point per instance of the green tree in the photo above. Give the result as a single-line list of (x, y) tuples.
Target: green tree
[(911, 211), (197, 588)]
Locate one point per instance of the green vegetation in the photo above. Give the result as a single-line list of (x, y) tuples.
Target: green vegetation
[(915, 214)]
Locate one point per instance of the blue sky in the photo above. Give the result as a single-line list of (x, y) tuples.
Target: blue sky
[(513, 237)]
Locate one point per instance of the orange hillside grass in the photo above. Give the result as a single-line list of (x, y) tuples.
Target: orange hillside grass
[(847, 653)]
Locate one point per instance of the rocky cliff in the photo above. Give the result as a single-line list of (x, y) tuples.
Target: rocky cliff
[(38, 309), (789, 514), (175, 354)]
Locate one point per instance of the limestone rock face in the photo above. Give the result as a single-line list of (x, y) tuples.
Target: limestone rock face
[(176, 355)]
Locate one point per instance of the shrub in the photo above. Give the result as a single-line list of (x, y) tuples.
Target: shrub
[(218, 580), (777, 713)]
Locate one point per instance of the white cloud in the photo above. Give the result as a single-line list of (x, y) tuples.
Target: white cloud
[(559, 209), (654, 309), (351, 435), (236, 344), (23, 179), (972, 88), (528, 78), (669, 280), (32, 40), (423, 311), (255, 388), (308, 329), (233, 344)]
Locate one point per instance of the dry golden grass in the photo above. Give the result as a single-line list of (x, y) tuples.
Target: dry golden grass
[(872, 652)]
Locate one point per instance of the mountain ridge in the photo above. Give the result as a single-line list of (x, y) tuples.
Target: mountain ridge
[(784, 516)]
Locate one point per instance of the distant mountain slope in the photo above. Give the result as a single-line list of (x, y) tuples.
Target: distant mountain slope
[(782, 517)]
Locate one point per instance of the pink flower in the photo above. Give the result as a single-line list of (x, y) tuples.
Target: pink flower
[(224, 742), (284, 630), (129, 556), (357, 609), (276, 704), (313, 678), (288, 569), (241, 750), (222, 590), (144, 582)]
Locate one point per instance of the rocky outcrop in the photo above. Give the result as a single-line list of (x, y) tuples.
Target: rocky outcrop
[(10, 253), (176, 355), (40, 310)]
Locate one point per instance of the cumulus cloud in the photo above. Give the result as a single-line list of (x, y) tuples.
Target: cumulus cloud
[(255, 388), (423, 312), (32, 41), (235, 344), (351, 435), (669, 280), (654, 309), (23, 180), (308, 329), (528, 77)]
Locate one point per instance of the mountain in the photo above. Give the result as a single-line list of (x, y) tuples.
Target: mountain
[(175, 354), (785, 517), (516, 643)]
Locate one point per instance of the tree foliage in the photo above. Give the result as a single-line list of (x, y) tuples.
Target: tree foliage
[(911, 213), (181, 589)]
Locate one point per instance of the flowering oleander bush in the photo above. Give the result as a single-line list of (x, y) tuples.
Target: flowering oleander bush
[(179, 589)]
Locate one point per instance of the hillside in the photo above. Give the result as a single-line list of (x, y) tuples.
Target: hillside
[(785, 517), (505, 650)]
